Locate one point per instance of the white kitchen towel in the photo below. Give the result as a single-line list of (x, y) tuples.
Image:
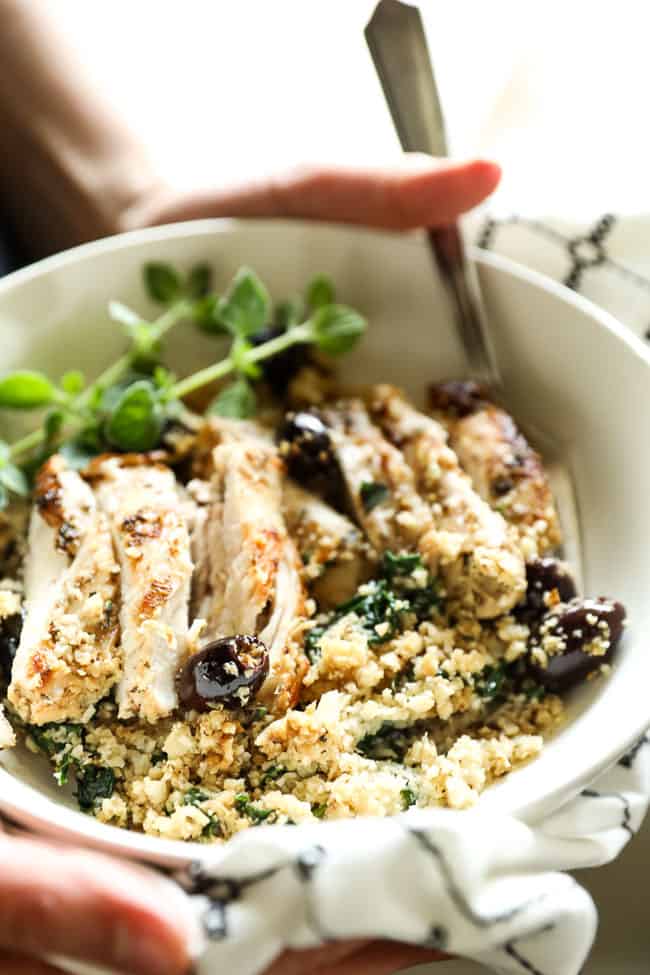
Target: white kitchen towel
[(480, 886)]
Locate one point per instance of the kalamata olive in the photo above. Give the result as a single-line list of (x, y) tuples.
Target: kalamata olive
[(459, 397), (10, 629), (306, 446), (571, 630), (544, 577), (278, 370), (229, 671)]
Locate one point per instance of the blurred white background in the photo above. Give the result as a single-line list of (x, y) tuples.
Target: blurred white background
[(557, 92)]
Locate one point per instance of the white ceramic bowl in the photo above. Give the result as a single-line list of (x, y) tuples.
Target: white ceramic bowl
[(569, 369)]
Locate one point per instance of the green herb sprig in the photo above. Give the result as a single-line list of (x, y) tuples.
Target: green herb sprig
[(129, 405)]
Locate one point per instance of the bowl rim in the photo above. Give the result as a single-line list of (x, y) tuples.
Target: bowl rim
[(26, 804)]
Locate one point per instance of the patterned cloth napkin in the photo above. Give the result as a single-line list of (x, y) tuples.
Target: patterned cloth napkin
[(483, 887)]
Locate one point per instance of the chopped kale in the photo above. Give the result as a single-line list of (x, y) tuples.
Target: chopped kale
[(312, 640), (211, 829), (53, 739), (94, 783), (493, 682), (400, 565), (382, 604), (408, 797), (389, 743), (373, 493), (193, 796), (379, 609), (403, 677), (246, 807), (272, 773), (319, 809)]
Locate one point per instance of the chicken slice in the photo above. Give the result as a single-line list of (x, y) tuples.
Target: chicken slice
[(482, 565), (505, 470), (380, 484), (218, 429), (331, 547), (149, 524), (68, 657), (248, 574)]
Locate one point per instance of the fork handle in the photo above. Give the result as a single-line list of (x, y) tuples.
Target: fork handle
[(397, 42)]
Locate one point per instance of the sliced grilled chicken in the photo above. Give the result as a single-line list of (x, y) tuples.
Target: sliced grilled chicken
[(332, 550), (68, 657), (248, 574), (218, 429), (380, 484), (149, 524), (482, 565), (504, 468)]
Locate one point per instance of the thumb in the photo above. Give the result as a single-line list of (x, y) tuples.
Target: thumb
[(56, 901), (418, 191)]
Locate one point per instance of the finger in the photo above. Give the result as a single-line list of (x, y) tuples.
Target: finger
[(11, 964), (417, 192), (382, 958), (58, 901)]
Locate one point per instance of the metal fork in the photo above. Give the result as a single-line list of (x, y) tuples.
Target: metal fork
[(397, 42)]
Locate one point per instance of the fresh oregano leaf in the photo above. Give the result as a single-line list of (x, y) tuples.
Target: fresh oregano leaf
[(236, 400), (199, 281), (289, 313), (26, 390), (337, 328), (320, 292), (163, 282), (137, 419), (72, 382), (205, 312), (246, 307)]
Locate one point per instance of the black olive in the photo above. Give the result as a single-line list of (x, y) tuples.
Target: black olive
[(577, 624), (307, 450), (278, 370), (229, 671), (10, 629), (501, 486), (460, 397), (542, 577)]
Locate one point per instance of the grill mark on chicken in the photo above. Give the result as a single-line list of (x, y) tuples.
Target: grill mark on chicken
[(50, 499), (68, 657), (141, 526), (479, 558), (156, 595)]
